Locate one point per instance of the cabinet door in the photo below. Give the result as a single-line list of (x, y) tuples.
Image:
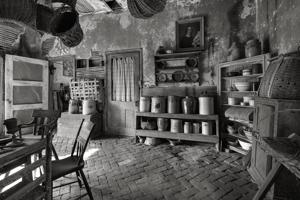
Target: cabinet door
[(261, 163), (26, 87)]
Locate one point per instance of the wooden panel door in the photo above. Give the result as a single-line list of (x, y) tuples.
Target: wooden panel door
[(261, 163), (26, 87), (120, 115)]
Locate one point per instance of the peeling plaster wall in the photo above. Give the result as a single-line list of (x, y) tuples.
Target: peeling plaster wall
[(278, 24), (225, 21)]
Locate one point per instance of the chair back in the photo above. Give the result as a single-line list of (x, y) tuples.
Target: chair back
[(42, 117), (21, 176), (82, 139)]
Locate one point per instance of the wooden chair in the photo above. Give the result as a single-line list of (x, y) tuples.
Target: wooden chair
[(41, 117), (75, 163), (28, 182)]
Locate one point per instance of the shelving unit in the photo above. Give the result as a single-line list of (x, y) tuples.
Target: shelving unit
[(180, 136), (229, 73), (167, 64)]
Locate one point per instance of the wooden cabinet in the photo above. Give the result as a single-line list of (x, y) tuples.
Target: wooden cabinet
[(247, 70), (272, 118)]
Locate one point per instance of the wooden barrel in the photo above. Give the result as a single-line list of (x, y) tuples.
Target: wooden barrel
[(173, 104), (65, 25), (144, 104), (158, 105), (88, 107), (176, 126)]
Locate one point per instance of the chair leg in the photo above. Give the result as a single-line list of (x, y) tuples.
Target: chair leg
[(54, 153), (87, 187), (78, 179)]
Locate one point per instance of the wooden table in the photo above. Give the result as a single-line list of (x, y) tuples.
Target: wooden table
[(287, 154), (21, 157)]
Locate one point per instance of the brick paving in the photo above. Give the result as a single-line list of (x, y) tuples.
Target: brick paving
[(119, 168)]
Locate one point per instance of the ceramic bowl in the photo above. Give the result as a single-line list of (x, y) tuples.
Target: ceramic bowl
[(242, 86), (245, 145), (148, 125)]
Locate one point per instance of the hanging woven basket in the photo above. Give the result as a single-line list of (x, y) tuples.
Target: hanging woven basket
[(10, 35), (145, 8), (65, 25), (19, 10)]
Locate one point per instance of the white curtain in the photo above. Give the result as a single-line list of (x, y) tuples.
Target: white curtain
[(123, 79)]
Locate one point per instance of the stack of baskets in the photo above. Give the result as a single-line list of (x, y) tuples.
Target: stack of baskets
[(145, 8), (10, 35), (282, 78)]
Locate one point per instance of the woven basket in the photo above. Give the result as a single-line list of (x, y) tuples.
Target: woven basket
[(65, 25), (10, 34), (135, 11), (282, 79), (19, 10), (150, 6), (44, 16)]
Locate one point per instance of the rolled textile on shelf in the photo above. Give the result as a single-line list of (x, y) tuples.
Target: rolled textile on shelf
[(245, 114)]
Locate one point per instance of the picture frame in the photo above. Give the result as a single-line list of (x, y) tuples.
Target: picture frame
[(190, 34)]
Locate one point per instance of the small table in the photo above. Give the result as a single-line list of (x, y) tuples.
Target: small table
[(22, 155), (287, 154)]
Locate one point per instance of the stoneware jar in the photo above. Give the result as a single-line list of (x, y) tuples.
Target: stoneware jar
[(162, 124), (73, 106), (187, 127), (188, 105), (144, 104), (173, 104), (252, 48)]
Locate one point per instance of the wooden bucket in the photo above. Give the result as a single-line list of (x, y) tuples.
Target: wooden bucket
[(65, 25), (282, 79), (176, 126), (88, 107)]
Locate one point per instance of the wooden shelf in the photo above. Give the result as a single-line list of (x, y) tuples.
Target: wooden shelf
[(244, 77), (177, 67), (253, 60), (183, 54), (239, 106), (178, 136), (178, 116), (240, 121), (237, 149)]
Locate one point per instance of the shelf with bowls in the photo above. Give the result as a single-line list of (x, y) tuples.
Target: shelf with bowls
[(177, 67), (237, 86)]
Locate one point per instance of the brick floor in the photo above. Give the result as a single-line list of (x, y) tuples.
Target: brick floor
[(119, 168)]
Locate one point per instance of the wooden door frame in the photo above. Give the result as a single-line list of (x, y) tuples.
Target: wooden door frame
[(140, 82)]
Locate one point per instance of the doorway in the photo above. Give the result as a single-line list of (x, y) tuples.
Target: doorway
[(123, 78)]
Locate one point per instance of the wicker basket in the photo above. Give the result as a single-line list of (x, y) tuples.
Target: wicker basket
[(10, 35), (65, 25), (20, 10), (150, 6), (135, 11), (282, 79)]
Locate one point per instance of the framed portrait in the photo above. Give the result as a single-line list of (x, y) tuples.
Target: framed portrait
[(190, 34)]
